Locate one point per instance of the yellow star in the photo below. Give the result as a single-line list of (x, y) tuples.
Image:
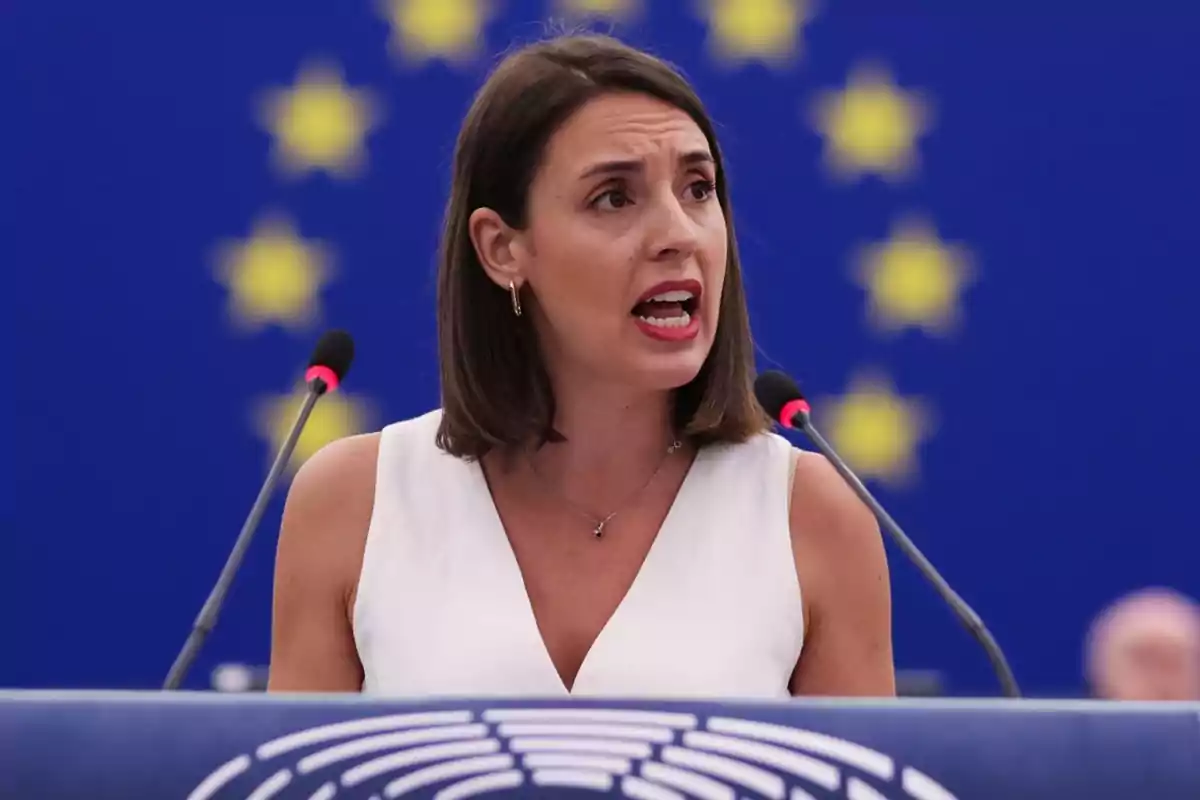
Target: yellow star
[(872, 126), (274, 276), (335, 416), (320, 123), (766, 30), (914, 279), (448, 29), (875, 430), (612, 9)]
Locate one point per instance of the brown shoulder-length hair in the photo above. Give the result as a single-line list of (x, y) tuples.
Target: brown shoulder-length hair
[(495, 391)]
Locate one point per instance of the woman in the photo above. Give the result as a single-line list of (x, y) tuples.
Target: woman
[(599, 507)]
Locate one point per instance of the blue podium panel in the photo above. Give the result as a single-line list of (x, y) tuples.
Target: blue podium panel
[(200, 746)]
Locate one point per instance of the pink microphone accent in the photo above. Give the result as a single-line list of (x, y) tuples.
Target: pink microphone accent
[(327, 375), (790, 409)]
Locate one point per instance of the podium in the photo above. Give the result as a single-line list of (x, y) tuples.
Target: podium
[(197, 746)]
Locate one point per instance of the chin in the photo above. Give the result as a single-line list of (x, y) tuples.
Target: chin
[(655, 363), (664, 372)]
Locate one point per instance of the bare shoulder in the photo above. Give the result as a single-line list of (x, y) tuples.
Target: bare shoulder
[(843, 572), (826, 513), (321, 544), (329, 505), (338, 479)]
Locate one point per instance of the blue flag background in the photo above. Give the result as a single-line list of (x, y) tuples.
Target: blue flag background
[(972, 235)]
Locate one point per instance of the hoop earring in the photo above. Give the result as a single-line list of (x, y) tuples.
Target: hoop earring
[(516, 298)]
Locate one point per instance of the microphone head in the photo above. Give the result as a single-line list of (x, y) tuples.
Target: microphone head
[(780, 397), (331, 359)]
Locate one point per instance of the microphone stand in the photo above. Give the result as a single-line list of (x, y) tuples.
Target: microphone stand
[(966, 615), (206, 620)]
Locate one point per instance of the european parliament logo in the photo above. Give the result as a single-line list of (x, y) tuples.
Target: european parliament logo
[(551, 752)]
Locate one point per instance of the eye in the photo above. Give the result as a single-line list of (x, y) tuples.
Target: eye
[(611, 200), (702, 190)]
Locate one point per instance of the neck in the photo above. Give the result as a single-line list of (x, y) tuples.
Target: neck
[(615, 438)]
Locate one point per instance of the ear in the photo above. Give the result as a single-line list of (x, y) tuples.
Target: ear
[(498, 247)]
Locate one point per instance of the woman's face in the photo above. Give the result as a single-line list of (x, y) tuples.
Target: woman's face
[(625, 251)]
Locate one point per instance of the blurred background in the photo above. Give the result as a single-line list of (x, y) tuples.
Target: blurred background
[(971, 233)]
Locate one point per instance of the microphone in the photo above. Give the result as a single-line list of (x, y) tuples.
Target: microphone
[(328, 366), (782, 399)]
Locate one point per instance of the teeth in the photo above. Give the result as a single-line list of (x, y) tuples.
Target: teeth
[(677, 296), (668, 322)]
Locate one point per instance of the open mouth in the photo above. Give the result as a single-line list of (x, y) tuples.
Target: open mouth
[(670, 309)]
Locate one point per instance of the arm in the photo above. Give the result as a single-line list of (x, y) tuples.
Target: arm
[(321, 543), (844, 580)]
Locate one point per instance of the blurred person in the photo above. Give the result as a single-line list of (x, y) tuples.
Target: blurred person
[(599, 506), (1146, 646)]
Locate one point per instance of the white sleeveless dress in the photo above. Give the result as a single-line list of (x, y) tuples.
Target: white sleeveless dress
[(441, 608)]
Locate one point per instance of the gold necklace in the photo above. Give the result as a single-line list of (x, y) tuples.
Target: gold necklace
[(597, 521)]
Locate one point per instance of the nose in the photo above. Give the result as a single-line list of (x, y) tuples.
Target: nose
[(673, 234)]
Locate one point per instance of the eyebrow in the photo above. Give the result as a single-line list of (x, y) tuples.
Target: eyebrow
[(688, 159)]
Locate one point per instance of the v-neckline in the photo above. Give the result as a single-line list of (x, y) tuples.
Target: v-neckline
[(514, 577)]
